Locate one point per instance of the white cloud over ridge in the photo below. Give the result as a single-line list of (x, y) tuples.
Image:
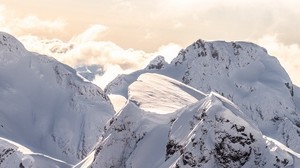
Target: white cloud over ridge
[(87, 48)]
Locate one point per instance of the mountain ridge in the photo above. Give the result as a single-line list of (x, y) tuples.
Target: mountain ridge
[(240, 71)]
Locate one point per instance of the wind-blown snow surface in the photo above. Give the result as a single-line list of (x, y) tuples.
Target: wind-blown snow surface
[(209, 131), (46, 107), (152, 92), (240, 71)]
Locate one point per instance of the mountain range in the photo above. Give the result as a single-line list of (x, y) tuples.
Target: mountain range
[(217, 104)]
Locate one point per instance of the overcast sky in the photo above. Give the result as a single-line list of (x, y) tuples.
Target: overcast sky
[(123, 35)]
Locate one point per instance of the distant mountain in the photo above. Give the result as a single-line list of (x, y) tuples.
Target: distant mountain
[(90, 72), (46, 106), (243, 73)]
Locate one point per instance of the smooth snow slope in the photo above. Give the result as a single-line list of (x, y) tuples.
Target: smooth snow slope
[(212, 132), (46, 107), (160, 94), (240, 71)]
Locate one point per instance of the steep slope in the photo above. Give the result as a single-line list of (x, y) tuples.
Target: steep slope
[(296, 97), (211, 132), (242, 72), (222, 136), (46, 107)]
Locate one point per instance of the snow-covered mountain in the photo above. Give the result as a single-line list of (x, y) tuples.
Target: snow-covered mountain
[(243, 73), (46, 106), (217, 104), (206, 130)]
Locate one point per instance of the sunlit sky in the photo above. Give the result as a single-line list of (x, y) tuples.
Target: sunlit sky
[(123, 35)]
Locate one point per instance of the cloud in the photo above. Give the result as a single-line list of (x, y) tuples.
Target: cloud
[(29, 25), (212, 20), (87, 48), (93, 33), (288, 55), (111, 73), (83, 49), (169, 51), (36, 25), (135, 23)]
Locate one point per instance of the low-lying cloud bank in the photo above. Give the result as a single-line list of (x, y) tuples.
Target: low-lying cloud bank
[(87, 49)]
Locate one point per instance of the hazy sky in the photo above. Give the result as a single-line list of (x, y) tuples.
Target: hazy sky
[(122, 35)]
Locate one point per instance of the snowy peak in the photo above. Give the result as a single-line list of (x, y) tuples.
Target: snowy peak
[(219, 51), (245, 74), (10, 49), (124, 135), (157, 63), (10, 43), (225, 59)]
